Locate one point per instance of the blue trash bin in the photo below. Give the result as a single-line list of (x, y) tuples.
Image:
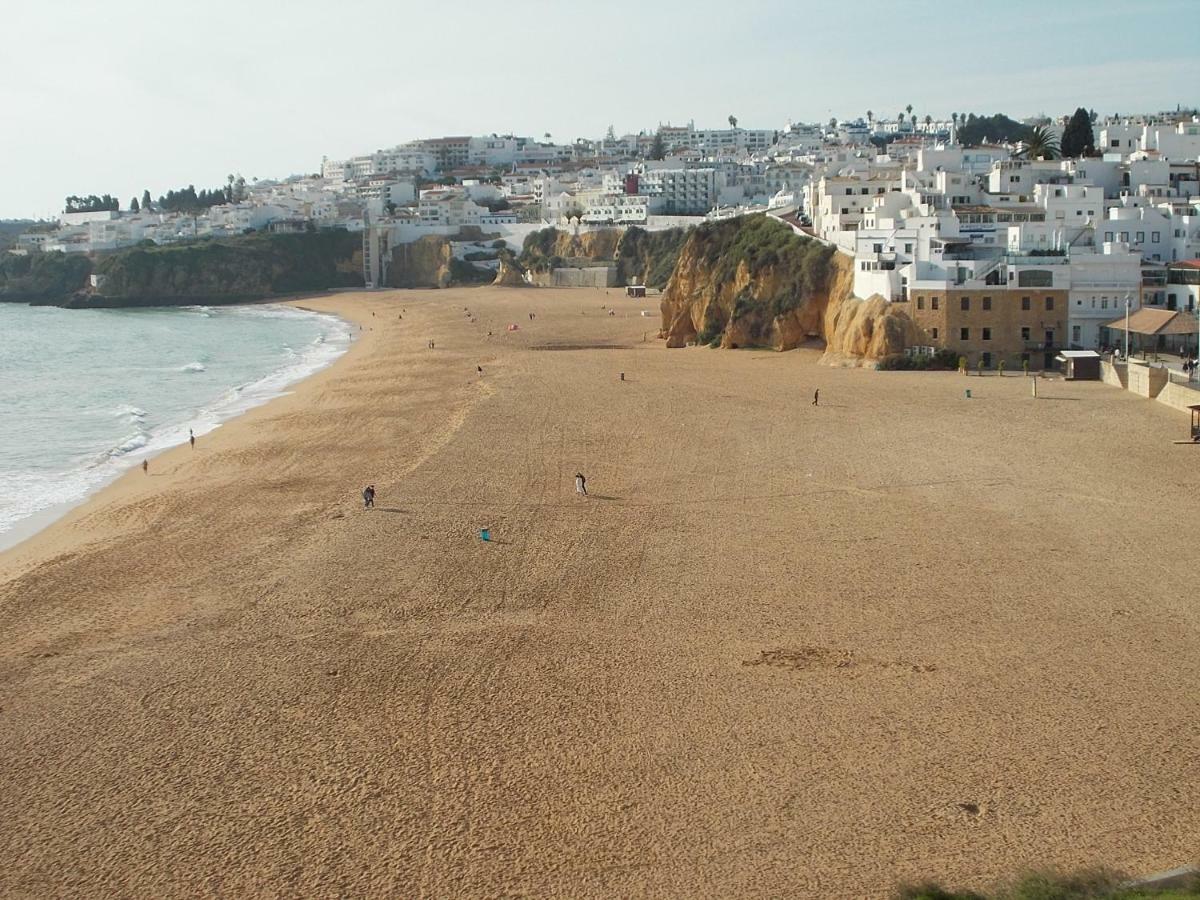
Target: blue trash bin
[(485, 534)]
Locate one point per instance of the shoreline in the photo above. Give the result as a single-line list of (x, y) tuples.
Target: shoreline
[(29, 528)]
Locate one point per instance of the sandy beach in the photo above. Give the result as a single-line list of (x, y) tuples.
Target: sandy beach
[(781, 650)]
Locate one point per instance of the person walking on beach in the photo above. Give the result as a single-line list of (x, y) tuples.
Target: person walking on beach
[(369, 496), (192, 438), (146, 466), (580, 484), (817, 397)]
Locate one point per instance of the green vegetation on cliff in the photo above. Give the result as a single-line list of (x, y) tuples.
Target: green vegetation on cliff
[(538, 250), (42, 276), (641, 256), (649, 257), (246, 267), (798, 268)]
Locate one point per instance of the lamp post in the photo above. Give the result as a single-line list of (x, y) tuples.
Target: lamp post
[(1127, 301)]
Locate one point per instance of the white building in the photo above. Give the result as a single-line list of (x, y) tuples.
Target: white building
[(617, 209)]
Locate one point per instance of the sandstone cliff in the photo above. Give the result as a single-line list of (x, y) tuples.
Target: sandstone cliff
[(752, 282), (423, 263), (509, 274), (640, 256)]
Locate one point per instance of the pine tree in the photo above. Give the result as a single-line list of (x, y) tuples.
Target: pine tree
[(146, 199), (1077, 138), (133, 205), (658, 150)]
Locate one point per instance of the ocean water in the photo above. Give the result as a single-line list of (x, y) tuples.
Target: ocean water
[(86, 394)]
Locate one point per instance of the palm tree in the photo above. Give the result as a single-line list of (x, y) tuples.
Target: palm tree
[(954, 116), (1039, 144), (870, 117), (913, 119), (733, 121), (908, 109), (928, 121)]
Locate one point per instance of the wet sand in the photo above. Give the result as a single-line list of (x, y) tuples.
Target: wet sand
[(781, 650)]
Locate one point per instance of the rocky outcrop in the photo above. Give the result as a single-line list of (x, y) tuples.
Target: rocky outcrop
[(745, 283), (226, 270), (637, 256), (509, 275), (423, 263), (862, 331)]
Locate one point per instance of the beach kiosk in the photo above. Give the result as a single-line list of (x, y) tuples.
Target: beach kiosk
[(635, 290), (1079, 365), (1195, 411)]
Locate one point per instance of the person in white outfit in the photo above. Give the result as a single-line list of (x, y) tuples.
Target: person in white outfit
[(580, 484)]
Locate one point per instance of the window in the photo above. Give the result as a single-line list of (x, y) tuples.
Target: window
[(1025, 304), (920, 303), (1154, 236), (1075, 334), (849, 191), (966, 303), (1141, 237), (935, 334), (986, 360), (908, 248), (877, 248), (1049, 304), (964, 334), (1049, 337), (1125, 237), (987, 304), (863, 191), (845, 210), (1108, 236), (987, 334), (1103, 303), (1025, 333), (934, 302)]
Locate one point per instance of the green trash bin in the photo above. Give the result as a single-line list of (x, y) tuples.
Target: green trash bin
[(968, 393)]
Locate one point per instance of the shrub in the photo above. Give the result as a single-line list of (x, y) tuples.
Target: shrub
[(462, 272), (710, 332)]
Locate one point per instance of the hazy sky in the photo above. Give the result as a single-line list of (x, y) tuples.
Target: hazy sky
[(113, 96)]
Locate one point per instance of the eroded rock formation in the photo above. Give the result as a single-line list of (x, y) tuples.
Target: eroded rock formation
[(509, 275), (424, 262), (777, 298)]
